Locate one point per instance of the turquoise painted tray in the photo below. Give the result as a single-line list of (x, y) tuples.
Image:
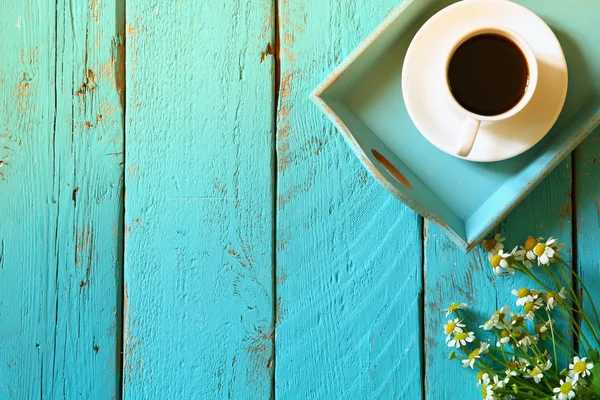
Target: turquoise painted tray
[(363, 98)]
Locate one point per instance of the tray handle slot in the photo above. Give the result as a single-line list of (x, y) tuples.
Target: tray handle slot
[(389, 167)]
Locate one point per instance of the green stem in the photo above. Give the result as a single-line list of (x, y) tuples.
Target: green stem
[(561, 261), (576, 329), (579, 310), (553, 342), (501, 346), (576, 299), (520, 395)]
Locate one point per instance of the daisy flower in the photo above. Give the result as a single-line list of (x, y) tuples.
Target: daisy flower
[(524, 341), (497, 319), (519, 254), (493, 244), (580, 368), (453, 328), (500, 383), (513, 366), (523, 364), (531, 308), (510, 372), (487, 392), (483, 378), (537, 373), (454, 307), (528, 248), (543, 329), (504, 338), (544, 252), (548, 363), (475, 354), (500, 260), (555, 299), (517, 320), (524, 296), (566, 390), (461, 339)]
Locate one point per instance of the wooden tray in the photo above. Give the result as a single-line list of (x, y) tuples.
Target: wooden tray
[(363, 98)]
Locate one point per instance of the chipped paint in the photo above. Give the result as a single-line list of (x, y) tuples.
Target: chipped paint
[(61, 198)]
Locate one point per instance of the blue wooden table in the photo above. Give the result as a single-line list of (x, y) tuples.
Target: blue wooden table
[(178, 221)]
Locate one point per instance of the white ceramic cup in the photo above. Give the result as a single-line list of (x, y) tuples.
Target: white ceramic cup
[(472, 121)]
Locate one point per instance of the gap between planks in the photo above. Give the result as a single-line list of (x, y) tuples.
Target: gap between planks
[(574, 246), (124, 300), (274, 161)]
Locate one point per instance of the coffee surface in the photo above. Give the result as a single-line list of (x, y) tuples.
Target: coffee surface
[(488, 74)]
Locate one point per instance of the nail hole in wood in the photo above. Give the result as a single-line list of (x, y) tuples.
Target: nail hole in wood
[(392, 170)]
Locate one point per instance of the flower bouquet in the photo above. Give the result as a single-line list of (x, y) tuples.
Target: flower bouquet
[(531, 354)]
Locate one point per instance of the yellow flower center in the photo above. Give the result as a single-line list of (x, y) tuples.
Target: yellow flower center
[(566, 387), (539, 249), (505, 333), (512, 364), (528, 307), (480, 375), (535, 372), (490, 244), (460, 336), (453, 307), (450, 327), (579, 367), (484, 391), (473, 354), (530, 243), (523, 292), (496, 260), (550, 295)]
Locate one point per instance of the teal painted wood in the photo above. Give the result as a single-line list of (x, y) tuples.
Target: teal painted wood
[(587, 196), (348, 254), (455, 277), (198, 258), (363, 99), (61, 154)]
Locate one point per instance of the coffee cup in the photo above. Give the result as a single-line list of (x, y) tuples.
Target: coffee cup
[(491, 75)]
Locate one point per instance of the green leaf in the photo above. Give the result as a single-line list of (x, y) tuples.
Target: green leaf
[(594, 356), (596, 380)]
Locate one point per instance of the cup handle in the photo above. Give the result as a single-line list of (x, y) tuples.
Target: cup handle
[(470, 127)]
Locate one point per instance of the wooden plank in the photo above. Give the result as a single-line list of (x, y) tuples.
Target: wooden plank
[(61, 154), (348, 253), (587, 197), (198, 257), (452, 276)]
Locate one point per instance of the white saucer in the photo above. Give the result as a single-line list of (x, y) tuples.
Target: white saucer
[(424, 77)]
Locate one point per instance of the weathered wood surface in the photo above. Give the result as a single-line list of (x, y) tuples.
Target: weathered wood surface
[(587, 212), (348, 254), (252, 256), (198, 212), (61, 164), (451, 276)]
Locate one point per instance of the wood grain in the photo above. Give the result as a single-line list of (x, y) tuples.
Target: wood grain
[(61, 154), (219, 302), (348, 253), (452, 276), (587, 196), (198, 258)]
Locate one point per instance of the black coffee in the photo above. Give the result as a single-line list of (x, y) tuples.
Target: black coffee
[(488, 74)]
